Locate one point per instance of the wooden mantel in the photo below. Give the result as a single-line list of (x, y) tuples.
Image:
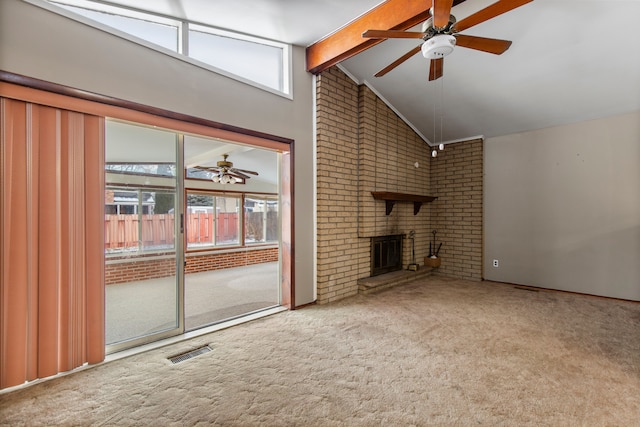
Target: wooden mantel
[(391, 198)]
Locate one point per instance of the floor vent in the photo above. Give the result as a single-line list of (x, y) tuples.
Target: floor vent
[(525, 289), (190, 354)]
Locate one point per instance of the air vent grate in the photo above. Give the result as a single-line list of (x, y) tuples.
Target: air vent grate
[(189, 355)]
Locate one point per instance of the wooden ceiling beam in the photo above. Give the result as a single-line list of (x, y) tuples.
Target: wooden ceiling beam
[(348, 41)]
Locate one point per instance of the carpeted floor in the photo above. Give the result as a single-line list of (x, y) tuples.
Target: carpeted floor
[(437, 351)]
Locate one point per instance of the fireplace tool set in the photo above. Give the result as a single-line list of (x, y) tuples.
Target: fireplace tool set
[(432, 260), (433, 252), (413, 266)]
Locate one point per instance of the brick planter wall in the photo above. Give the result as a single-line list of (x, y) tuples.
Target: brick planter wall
[(122, 271), (199, 263), (131, 271)]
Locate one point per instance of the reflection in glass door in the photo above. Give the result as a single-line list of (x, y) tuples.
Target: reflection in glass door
[(143, 249)]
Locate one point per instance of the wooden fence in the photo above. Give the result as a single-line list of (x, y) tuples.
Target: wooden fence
[(122, 231)]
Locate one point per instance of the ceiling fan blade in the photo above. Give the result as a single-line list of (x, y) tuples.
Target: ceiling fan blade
[(392, 34), (487, 13), (235, 172), (213, 169), (441, 12), (244, 171), (398, 61), (435, 68), (238, 175), (495, 46)]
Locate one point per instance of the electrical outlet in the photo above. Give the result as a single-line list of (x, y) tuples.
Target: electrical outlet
[(496, 263)]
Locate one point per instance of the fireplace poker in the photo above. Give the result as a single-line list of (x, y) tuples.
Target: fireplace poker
[(413, 266), (438, 250), (434, 243)]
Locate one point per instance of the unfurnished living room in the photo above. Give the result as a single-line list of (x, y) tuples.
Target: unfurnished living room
[(362, 213)]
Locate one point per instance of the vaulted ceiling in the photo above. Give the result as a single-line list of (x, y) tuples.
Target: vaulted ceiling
[(570, 61)]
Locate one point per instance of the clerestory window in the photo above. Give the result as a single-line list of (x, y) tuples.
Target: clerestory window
[(252, 60)]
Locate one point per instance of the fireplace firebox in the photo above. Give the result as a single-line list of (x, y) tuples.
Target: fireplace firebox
[(386, 254)]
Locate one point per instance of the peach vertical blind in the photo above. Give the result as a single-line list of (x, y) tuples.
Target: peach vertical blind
[(51, 248)]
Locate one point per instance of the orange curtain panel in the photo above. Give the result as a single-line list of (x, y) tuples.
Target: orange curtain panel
[(51, 247)]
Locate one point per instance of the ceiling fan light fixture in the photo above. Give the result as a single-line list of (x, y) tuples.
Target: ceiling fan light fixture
[(225, 173), (438, 46), (223, 178)]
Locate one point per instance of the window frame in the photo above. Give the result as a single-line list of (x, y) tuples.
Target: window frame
[(122, 12), (241, 220), (183, 42), (140, 252), (136, 173), (266, 198), (214, 246), (285, 48)]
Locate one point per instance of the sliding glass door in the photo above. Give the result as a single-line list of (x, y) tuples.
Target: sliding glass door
[(143, 243), (182, 250)]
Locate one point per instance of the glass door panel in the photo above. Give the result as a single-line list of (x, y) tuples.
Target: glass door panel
[(232, 233), (143, 250)]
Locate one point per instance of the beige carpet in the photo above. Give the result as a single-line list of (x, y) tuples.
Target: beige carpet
[(434, 352)]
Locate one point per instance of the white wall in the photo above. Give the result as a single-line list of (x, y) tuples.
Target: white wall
[(562, 207), (38, 43)]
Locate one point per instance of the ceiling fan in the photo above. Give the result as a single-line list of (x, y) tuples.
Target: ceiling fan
[(225, 173), (440, 35)]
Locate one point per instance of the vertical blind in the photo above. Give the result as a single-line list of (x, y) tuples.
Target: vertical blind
[(51, 247)]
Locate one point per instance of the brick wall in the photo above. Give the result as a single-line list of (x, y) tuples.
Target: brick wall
[(389, 149), (457, 180), (340, 253), (362, 146), (126, 270)]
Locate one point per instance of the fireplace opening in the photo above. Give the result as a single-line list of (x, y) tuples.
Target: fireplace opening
[(386, 254)]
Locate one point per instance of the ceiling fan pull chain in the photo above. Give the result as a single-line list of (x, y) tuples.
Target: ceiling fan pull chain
[(434, 152), (441, 110)]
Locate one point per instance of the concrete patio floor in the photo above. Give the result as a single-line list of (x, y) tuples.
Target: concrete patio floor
[(145, 307)]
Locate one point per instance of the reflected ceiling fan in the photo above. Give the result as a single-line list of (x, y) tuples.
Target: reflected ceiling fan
[(440, 35), (225, 173)]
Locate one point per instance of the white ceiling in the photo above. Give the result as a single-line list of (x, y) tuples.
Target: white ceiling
[(571, 60)]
